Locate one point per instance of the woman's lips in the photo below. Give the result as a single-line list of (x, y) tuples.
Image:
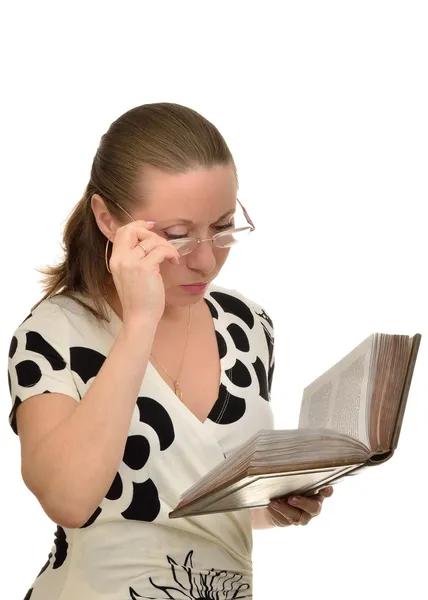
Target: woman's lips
[(195, 288)]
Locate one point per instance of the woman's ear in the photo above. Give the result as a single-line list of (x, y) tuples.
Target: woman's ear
[(103, 217)]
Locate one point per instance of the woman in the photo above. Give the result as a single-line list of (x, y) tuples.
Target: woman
[(135, 375)]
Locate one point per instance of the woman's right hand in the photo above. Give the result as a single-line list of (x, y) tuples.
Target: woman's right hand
[(136, 275)]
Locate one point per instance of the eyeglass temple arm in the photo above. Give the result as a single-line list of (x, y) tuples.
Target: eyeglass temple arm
[(247, 216)]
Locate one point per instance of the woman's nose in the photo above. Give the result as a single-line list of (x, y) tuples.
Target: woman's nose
[(203, 258)]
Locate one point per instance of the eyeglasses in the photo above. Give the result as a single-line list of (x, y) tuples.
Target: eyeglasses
[(223, 239)]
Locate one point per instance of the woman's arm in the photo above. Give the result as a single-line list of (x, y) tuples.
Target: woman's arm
[(71, 451)]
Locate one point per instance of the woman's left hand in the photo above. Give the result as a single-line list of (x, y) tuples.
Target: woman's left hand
[(297, 510)]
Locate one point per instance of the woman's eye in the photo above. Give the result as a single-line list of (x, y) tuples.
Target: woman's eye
[(225, 226), (180, 236), (174, 236)]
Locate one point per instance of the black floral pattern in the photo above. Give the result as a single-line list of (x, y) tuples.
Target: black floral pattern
[(196, 585)]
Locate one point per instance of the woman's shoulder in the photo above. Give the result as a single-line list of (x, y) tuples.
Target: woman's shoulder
[(233, 301), (54, 314)]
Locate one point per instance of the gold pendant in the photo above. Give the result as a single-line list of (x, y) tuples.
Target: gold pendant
[(177, 391)]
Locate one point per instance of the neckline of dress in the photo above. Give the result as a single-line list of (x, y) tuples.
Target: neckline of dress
[(116, 321)]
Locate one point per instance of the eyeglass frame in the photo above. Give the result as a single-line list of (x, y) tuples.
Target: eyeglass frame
[(198, 239)]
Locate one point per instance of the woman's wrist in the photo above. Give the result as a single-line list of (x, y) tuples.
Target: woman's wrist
[(134, 328), (261, 518)]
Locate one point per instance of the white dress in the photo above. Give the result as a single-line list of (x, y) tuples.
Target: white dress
[(129, 549)]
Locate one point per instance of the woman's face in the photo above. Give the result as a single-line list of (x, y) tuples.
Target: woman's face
[(199, 203)]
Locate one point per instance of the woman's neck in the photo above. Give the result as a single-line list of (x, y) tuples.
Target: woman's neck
[(171, 314)]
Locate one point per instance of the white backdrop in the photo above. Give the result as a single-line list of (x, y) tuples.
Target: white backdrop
[(324, 105)]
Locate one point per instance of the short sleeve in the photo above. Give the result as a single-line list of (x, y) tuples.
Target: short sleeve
[(266, 339), (268, 329), (39, 357)]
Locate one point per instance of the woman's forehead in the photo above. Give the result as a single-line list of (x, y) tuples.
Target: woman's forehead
[(154, 180), (189, 197)]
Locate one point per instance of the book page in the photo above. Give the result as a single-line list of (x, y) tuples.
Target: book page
[(339, 398)]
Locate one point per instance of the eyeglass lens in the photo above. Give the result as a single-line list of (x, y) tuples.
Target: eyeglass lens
[(226, 239)]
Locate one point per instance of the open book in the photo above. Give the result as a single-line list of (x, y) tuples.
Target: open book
[(350, 418)]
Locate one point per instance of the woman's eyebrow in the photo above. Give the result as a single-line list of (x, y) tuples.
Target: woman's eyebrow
[(180, 221)]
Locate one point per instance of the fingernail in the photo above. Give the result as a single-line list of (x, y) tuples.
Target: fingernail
[(150, 222), (293, 500)]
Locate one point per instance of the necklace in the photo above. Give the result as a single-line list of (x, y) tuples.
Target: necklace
[(177, 389)]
